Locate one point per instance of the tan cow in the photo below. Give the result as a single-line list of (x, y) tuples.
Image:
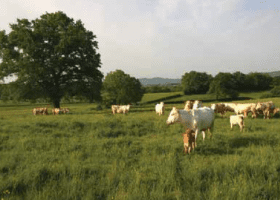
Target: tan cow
[(64, 110), (269, 110), (189, 105), (265, 108), (114, 108), (56, 111), (40, 111), (189, 141), (36, 111), (219, 108)]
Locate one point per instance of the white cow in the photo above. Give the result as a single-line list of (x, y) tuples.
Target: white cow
[(160, 108), (123, 109), (120, 109), (237, 120), (197, 119), (243, 108)]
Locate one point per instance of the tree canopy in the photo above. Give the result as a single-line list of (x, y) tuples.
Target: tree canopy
[(195, 82), (223, 85), (50, 55), (258, 81), (120, 88)]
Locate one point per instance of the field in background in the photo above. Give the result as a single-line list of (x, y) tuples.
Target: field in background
[(154, 96), (91, 154)]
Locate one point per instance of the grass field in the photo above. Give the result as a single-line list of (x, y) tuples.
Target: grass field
[(90, 154), (154, 96)]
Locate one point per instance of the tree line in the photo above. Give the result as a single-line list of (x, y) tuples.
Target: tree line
[(227, 85), (55, 58)]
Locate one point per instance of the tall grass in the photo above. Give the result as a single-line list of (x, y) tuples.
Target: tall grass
[(91, 154)]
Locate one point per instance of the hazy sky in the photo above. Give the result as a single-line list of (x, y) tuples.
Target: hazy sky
[(166, 38)]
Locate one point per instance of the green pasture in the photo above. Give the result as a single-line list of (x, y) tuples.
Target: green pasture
[(91, 154), (154, 96)]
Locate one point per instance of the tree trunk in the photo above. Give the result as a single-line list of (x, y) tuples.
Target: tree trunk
[(56, 103)]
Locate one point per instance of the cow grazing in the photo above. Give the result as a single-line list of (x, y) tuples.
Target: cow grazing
[(114, 108), (237, 120), (56, 111), (189, 105), (197, 104), (160, 108), (36, 111), (243, 108), (265, 108), (123, 109), (269, 110), (197, 119), (189, 141), (219, 108), (120, 109), (40, 111), (64, 110)]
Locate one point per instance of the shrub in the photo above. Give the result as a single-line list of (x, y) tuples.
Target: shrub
[(266, 95), (275, 91)]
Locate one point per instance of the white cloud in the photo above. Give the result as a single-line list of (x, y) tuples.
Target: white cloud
[(166, 38)]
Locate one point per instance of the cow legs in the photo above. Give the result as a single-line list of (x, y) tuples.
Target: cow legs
[(196, 132), (203, 134), (210, 132)]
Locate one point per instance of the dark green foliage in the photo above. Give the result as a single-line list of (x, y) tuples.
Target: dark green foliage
[(120, 88), (266, 95), (223, 86), (240, 81), (258, 82), (50, 55), (276, 81), (195, 82), (162, 88), (275, 91)]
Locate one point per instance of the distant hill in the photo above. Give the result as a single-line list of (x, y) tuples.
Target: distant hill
[(273, 74), (157, 80), (162, 81)]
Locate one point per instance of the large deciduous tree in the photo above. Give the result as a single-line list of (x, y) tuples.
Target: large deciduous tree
[(51, 54), (120, 88), (195, 82), (223, 85)]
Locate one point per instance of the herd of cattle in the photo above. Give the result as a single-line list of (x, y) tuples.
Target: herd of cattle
[(197, 118), (194, 117), (55, 111)]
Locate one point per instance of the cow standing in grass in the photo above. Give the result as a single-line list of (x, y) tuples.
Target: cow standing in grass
[(120, 109), (189, 141), (40, 111), (197, 104), (189, 105), (199, 120), (237, 120), (160, 108)]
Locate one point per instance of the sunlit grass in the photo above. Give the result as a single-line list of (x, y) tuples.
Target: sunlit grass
[(90, 154)]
